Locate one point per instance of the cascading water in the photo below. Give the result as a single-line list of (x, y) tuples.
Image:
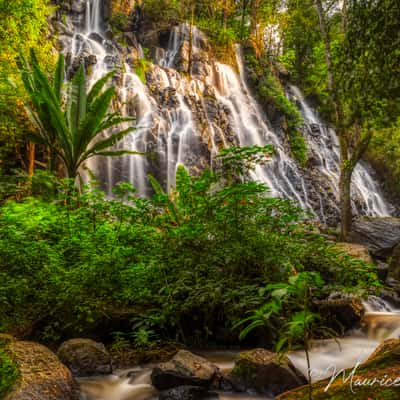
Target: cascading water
[(324, 146), (327, 357), (185, 119)]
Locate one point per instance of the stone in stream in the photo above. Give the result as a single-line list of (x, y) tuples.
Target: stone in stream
[(85, 357), (380, 235), (187, 393), (377, 378), (183, 369), (264, 372), (42, 375), (343, 311)]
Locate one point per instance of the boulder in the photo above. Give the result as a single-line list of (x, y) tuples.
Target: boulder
[(85, 357), (183, 369), (380, 235), (377, 378), (187, 393), (356, 250), (265, 372), (42, 375), (342, 310)]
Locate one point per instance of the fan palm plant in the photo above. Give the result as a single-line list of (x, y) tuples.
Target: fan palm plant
[(70, 123)]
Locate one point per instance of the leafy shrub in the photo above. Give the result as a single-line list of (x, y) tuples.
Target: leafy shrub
[(181, 265)]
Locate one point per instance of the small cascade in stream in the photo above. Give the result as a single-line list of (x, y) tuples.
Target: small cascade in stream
[(381, 321), (184, 119)]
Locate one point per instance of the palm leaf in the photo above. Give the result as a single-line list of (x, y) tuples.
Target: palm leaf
[(98, 87), (109, 123), (117, 153), (108, 142), (76, 107), (59, 77), (89, 127)]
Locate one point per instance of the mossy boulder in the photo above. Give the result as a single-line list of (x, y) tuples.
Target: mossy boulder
[(41, 374), (183, 369), (265, 372), (85, 357), (378, 378)]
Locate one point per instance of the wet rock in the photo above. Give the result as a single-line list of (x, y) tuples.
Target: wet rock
[(78, 6), (85, 357), (366, 383), (380, 235), (342, 310), (42, 375), (131, 39), (262, 371), (356, 250), (91, 59), (187, 393), (63, 29), (96, 37), (183, 369)]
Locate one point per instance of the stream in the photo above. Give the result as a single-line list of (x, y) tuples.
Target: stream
[(381, 321)]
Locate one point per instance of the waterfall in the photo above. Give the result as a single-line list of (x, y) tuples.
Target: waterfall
[(324, 146), (184, 119)]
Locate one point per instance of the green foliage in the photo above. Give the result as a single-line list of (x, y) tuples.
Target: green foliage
[(68, 128), (384, 153), (368, 64), (8, 371), (118, 22), (23, 25), (181, 264), (141, 67)]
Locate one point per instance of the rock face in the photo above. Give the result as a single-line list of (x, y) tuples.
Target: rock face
[(382, 366), (85, 357), (187, 393), (262, 371), (43, 376), (343, 311), (183, 369), (380, 235)]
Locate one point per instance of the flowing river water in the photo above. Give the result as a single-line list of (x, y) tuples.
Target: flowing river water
[(381, 321)]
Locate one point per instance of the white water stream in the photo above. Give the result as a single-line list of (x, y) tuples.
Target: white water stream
[(179, 129), (381, 321)]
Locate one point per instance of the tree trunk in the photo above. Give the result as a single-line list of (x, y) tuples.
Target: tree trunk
[(190, 61), (225, 14), (255, 6), (327, 44), (347, 164), (31, 158), (345, 201), (244, 7)]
